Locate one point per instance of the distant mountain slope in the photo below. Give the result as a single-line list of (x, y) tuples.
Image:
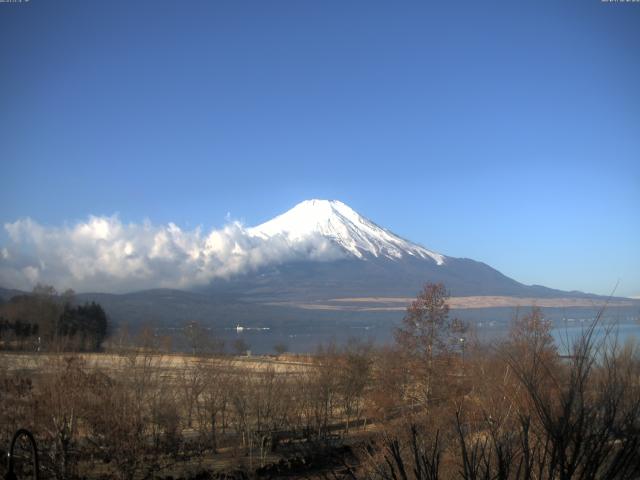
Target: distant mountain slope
[(348, 278), (373, 261), (7, 293)]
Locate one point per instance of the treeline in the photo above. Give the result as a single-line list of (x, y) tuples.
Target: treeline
[(435, 405), (45, 320)]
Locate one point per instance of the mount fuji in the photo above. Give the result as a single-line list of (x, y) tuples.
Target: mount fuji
[(339, 223), (337, 266), (349, 255)]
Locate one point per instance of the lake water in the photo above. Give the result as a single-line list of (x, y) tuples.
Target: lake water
[(307, 338), (565, 336)]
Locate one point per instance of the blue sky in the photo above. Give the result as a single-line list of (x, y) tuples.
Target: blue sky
[(507, 132)]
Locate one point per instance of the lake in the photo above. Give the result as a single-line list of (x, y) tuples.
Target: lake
[(307, 338)]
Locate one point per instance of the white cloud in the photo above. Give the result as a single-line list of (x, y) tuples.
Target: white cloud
[(104, 254)]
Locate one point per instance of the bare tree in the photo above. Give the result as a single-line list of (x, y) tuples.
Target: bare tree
[(390, 382), (213, 400), (197, 338), (131, 400), (191, 384), (530, 338), (426, 333), (59, 410), (354, 377), (280, 348), (240, 346)]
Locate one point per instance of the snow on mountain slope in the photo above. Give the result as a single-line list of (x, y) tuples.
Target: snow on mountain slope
[(336, 221)]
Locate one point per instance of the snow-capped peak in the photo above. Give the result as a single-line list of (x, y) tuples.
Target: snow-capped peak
[(340, 223)]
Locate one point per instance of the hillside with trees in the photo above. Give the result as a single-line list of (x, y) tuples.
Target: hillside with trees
[(45, 320)]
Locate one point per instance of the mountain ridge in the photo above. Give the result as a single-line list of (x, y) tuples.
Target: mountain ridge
[(374, 261)]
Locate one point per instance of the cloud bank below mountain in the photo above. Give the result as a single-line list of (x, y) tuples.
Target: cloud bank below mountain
[(104, 254)]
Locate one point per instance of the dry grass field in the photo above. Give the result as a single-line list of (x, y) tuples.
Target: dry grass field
[(168, 363)]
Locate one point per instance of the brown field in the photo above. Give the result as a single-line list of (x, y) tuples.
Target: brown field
[(182, 413), (41, 362)]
